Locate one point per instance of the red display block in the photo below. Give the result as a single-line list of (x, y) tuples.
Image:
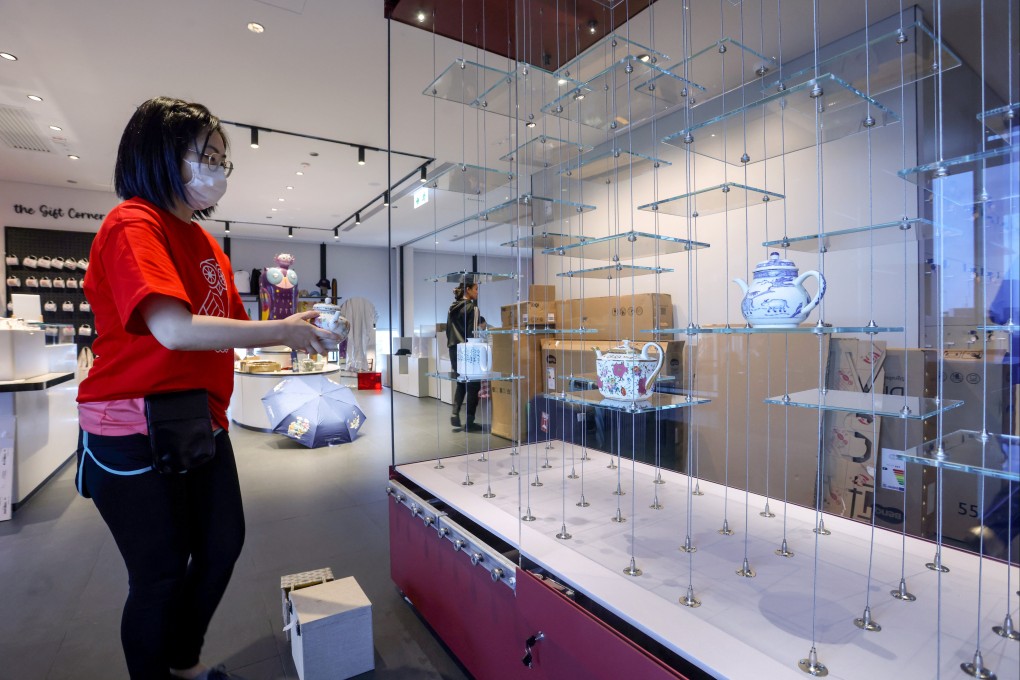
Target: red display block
[(370, 381)]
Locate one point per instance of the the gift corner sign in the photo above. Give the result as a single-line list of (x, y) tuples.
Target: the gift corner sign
[(57, 213)]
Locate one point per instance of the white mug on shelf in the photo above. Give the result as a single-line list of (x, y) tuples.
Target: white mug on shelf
[(57, 263), (58, 282), (68, 306), (84, 306), (85, 329), (30, 262), (49, 306), (474, 358)]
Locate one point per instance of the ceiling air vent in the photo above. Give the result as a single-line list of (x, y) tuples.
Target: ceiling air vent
[(18, 130)]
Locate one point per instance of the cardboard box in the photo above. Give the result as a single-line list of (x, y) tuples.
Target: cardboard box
[(625, 316), (737, 372), (332, 632), (532, 313), (517, 355), (540, 293)]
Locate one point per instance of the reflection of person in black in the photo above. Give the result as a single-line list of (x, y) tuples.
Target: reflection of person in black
[(461, 322), (1002, 515)]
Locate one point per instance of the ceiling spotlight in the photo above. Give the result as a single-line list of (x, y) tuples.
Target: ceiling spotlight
[(421, 17), (336, 233), (73, 157), (357, 218), (361, 155), (593, 26), (386, 199), (281, 200), (226, 229), (35, 97), (290, 232), (424, 175), (643, 57), (561, 81), (256, 27), (530, 124), (274, 209), (8, 56), (299, 173), (289, 188), (56, 128), (254, 138)]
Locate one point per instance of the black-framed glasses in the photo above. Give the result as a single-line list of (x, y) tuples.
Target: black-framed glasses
[(212, 162)]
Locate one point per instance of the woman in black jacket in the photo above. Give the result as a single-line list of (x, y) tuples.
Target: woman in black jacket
[(461, 322)]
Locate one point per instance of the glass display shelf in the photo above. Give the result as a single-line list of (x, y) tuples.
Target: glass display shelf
[(1003, 123), (544, 240), (611, 47), (989, 169), (524, 92), (630, 244), (610, 164), (464, 82), (464, 178), (453, 376), (545, 152), (537, 331), (880, 59), (657, 401), (720, 198), (780, 123), (1000, 328), (605, 101), (613, 271), (998, 455), (749, 330), (887, 233), (533, 210), (894, 406), (721, 67), (477, 277), (589, 381)]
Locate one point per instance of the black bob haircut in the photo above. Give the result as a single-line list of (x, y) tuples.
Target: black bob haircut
[(153, 146)]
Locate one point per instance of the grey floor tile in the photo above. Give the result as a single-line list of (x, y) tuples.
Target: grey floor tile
[(91, 649), (28, 660)]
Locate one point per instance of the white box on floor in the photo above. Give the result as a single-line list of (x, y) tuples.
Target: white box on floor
[(332, 634), (292, 582)]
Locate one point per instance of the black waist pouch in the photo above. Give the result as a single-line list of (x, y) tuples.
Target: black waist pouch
[(180, 430)]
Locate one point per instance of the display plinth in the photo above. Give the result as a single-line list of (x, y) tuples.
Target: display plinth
[(745, 628)]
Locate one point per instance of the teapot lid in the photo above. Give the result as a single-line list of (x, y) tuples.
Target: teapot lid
[(775, 261), (625, 348)]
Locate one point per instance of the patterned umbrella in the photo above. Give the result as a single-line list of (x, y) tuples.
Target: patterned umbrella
[(314, 410)]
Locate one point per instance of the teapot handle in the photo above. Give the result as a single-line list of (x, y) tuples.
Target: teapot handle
[(799, 281), (650, 382)]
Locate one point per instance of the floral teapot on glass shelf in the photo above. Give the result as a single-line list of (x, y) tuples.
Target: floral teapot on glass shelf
[(776, 297), (626, 375)]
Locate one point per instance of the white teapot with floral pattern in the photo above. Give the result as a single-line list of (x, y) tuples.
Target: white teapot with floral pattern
[(626, 375)]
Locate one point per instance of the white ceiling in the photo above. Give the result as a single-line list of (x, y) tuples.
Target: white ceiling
[(320, 68)]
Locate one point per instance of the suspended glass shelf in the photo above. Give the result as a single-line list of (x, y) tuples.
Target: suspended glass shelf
[(748, 330), (544, 240), (963, 450), (611, 164), (657, 401), (894, 406), (467, 179), (453, 376), (464, 81), (610, 48), (780, 123), (546, 152), (526, 211), (1000, 328), (613, 271), (537, 331), (1003, 122), (721, 67), (881, 59), (989, 171), (477, 277), (605, 101), (629, 244), (887, 233), (720, 198), (524, 92), (589, 381)]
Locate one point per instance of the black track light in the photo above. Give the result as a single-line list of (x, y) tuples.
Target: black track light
[(290, 232), (361, 155), (254, 138), (357, 218), (336, 233), (424, 175), (226, 230), (386, 199)]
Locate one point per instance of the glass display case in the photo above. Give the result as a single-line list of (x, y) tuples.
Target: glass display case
[(751, 408)]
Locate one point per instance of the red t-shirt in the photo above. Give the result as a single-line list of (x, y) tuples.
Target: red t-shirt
[(140, 251)]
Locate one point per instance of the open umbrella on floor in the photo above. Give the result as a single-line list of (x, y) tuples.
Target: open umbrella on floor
[(314, 410)]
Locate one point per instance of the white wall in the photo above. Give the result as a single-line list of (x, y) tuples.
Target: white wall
[(430, 301)]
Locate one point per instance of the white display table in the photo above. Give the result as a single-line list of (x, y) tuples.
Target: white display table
[(246, 403)]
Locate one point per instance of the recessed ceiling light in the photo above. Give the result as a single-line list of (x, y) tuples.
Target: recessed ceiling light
[(290, 187), (299, 173), (256, 27), (643, 57), (421, 17), (8, 56), (35, 97), (530, 124), (56, 128), (561, 81), (281, 200), (274, 209), (72, 157)]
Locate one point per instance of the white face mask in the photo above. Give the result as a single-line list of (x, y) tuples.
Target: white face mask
[(206, 187)]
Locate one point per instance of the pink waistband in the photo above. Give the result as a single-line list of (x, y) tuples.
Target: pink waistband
[(115, 418)]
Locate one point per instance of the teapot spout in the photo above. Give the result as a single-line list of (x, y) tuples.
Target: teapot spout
[(598, 353), (743, 285)]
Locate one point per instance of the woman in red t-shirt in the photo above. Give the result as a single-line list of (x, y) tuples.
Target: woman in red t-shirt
[(167, 316)]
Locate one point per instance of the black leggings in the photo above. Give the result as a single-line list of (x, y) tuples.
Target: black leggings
[(472, 389), (179, 536)]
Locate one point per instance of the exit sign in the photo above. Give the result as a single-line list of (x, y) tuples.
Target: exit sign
[(421, 197)]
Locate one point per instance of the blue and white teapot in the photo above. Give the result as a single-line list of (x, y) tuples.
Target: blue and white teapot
[(776, 297)]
